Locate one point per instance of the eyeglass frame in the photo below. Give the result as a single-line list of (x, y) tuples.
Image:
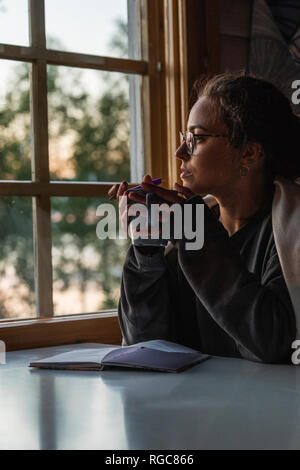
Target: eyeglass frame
[(183, 137)]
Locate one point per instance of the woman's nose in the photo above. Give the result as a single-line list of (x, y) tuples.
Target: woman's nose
[(182, 152)]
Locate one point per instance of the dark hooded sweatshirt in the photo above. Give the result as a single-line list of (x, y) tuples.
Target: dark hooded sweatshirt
[(228, 298)]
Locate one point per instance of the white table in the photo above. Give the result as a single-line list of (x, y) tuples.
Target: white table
[(222, 403)]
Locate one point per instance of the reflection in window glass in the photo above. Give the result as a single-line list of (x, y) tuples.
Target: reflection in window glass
[(15, 123), (89, 128), (86, 270), (17, 297), (14, 22), (94, 27)]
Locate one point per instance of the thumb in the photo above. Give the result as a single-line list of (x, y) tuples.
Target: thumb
[(147, 179)]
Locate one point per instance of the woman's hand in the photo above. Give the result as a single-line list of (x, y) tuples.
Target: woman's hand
[(115, 192), (165, 196), (169, 196)]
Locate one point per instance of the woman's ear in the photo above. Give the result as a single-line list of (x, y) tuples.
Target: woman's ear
[(252, 153)]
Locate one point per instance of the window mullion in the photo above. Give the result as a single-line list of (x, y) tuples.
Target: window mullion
[(173, 79), (40, 163), (154, 96), (73, 59), (37, 31)]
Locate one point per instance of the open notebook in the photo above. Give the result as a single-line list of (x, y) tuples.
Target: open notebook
[(159, 355)]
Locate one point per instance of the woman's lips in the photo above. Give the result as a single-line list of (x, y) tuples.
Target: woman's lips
[(185, 174)]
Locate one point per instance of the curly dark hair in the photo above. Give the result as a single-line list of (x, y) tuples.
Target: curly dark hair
[(255, 110)]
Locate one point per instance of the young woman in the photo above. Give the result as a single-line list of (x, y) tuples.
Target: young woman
[(228, 298)]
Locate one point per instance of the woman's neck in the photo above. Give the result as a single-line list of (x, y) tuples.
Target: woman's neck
[(241, 202)]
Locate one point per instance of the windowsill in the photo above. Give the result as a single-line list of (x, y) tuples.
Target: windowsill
[(66, 329), (56, 318)]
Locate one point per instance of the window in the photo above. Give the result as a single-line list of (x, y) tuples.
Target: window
[(85, 103)]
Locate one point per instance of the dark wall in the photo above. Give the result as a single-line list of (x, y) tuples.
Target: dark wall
[(235, 29), (218, 37)]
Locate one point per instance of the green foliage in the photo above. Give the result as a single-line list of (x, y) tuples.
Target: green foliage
[(119, 41), (15, 125), (98, 133)]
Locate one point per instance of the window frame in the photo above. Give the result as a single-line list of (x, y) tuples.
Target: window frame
[(162, 94)]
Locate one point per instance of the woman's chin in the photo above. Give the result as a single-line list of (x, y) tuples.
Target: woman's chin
[(196, 187), (188, 185), (187, 181), (200, 189)]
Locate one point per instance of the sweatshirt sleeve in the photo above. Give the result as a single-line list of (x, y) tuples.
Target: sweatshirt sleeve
[(145, 306), (256, 312)]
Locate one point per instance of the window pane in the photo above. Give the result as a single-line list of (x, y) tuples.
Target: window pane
[(15, 123), (90, 125), (86, 270), (17, 296), (14, 22), (94, 27)]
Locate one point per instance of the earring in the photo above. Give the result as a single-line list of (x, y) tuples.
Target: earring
[(244, 171)]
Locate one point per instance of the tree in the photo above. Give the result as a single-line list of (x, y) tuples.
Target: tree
[(97, 131)]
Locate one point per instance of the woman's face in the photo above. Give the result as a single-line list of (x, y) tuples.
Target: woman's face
[(213, 166)]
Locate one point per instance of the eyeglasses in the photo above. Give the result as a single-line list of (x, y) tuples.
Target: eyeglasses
[(191, 139)]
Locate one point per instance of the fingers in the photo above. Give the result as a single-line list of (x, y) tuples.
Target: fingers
[(167, 195), (187, 193), (123, 209), (137, 197), (113, 191), (123, 205), (122, 188), (117, 190), (147, 179)]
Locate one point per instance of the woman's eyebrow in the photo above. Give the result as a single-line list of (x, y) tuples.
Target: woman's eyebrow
[(197, 126)]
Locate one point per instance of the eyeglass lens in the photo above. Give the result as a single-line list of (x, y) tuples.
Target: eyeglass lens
[(188, 138)]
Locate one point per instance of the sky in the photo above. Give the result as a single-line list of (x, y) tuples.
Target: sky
[(84, 26)]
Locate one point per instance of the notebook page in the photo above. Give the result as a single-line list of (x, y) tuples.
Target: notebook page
[(79, 356), (163, 345)]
